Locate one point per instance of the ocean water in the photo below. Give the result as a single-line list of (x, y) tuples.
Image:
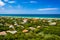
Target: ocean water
[(33, 15)]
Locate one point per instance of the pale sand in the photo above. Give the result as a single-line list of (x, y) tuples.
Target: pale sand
[(30, 17)]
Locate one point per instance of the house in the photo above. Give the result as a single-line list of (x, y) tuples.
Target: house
[(3, 33)]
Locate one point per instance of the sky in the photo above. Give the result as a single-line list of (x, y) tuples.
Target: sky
[(29, 6)]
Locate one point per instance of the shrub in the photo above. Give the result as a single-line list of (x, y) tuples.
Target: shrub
[(52, 30)]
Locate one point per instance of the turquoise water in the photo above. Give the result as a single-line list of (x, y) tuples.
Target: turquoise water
[(33, 15)]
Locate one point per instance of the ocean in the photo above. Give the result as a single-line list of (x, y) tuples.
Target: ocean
[(33, 15)]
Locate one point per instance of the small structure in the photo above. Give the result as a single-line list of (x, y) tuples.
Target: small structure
[(25, 20), (32, 28), (50, 20), (15, 23), (11, 26), (12, 32), (44, 20), (38, 26), (25, 31), (3, 33), (52, 23)]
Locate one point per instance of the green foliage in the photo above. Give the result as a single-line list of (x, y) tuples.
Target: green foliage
[(52, 37), (52, 30), (42, 33), (4, 28)]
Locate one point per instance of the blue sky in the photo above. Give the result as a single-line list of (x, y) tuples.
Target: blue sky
[(29, 6)]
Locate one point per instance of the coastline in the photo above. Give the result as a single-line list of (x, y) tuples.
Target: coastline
[(31, 17)]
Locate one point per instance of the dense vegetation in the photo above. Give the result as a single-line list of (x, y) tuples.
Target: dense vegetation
[(37, 29)]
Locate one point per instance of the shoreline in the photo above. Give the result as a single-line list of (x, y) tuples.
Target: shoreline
[(31, 17)]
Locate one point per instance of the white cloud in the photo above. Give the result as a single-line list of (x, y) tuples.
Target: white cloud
[(6, 0), (2, 3), (11, 1), (46, 9), (26, 11), (33, 1)]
